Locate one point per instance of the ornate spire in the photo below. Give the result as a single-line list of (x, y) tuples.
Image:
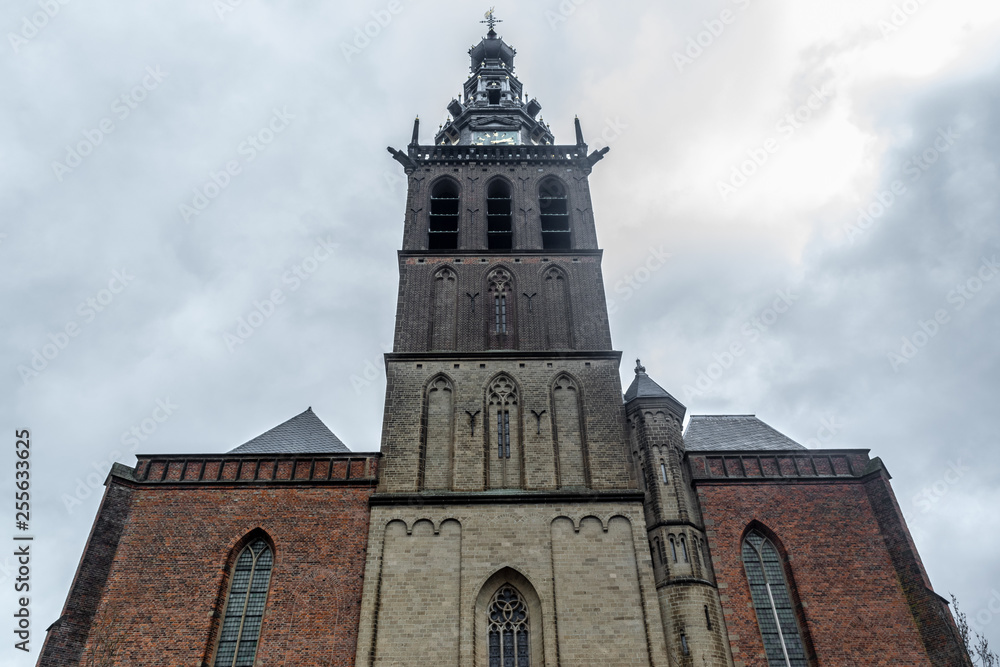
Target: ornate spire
[(491, 21)]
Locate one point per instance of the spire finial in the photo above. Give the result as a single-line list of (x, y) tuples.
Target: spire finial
[(491, 19), (639, 368)]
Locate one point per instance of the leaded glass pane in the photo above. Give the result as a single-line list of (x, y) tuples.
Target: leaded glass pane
[(245, 607), (773, 604), (507, 618)]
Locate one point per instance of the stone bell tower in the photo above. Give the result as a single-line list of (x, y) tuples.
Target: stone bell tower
[(508, 527)]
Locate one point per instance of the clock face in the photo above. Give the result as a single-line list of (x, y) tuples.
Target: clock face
[(498, 138)]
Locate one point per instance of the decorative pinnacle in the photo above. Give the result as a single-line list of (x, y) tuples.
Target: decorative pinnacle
[(491, 19), (639, 368)]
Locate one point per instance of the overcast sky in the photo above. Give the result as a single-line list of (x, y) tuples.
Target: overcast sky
[(823, 178)]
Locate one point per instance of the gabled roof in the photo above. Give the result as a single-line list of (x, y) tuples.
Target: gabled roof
[(734, 432), (302, 434)]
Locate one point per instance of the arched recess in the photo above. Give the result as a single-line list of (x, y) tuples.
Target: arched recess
[(568, 434), (553, 213), (242, 600), (437, 434), (499, 215), (519, 609), (780, 615), (558, 309), (442, 232), (503, 451), (501, 313), (444, 305)]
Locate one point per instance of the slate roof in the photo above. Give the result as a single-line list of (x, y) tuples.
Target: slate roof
[(643, 386), (733, 432), (302, 434)]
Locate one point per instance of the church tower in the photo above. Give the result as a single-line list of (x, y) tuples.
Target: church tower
[(508, 526)]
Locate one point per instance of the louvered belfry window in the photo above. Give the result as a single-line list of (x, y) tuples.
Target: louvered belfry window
[(245, 606), (773, 603), (508, 629)]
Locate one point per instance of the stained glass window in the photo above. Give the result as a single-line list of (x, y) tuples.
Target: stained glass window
[(507, 618), (245, 607), (773, 603)]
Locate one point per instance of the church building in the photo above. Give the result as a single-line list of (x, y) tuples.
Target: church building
[(523, 510)]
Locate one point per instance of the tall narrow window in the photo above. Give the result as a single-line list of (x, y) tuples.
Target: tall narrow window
[(673, 548), (773, 603), (500, 313), (503, 434), (443, 232), (499, 217), (663, 471), (245, 606), (507, 619), (684, 548), (553, 207)]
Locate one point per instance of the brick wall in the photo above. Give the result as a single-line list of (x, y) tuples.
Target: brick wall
[(169, 578), (852, 603)]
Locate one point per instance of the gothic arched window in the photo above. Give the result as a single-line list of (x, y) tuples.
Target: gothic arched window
[(248, 586), (500, 282), (443, 232), (499, 217), (553, 207), (773, 603), (504, 462), (507, 618)]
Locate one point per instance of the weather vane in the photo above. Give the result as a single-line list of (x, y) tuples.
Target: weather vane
[(491, 20)]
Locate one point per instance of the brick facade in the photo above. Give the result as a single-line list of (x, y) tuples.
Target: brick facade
[(855, 605), (157, 565)]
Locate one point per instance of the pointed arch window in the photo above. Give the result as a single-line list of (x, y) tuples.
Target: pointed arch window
[(507, 618), (499, 217), (673, 548), (773, 603), (248, 588), (553, 207), (500, 281), (443, 231)]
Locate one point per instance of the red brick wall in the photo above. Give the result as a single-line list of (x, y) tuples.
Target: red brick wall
[(169, 578), (852, 601)]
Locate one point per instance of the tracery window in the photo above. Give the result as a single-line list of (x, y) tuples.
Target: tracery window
[(245, 606), (773, 603), (507, 619), (503, 396), (500, 282)]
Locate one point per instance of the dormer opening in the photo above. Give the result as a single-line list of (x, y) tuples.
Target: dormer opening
[(499, 216), (443, 231), (553, 206)]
